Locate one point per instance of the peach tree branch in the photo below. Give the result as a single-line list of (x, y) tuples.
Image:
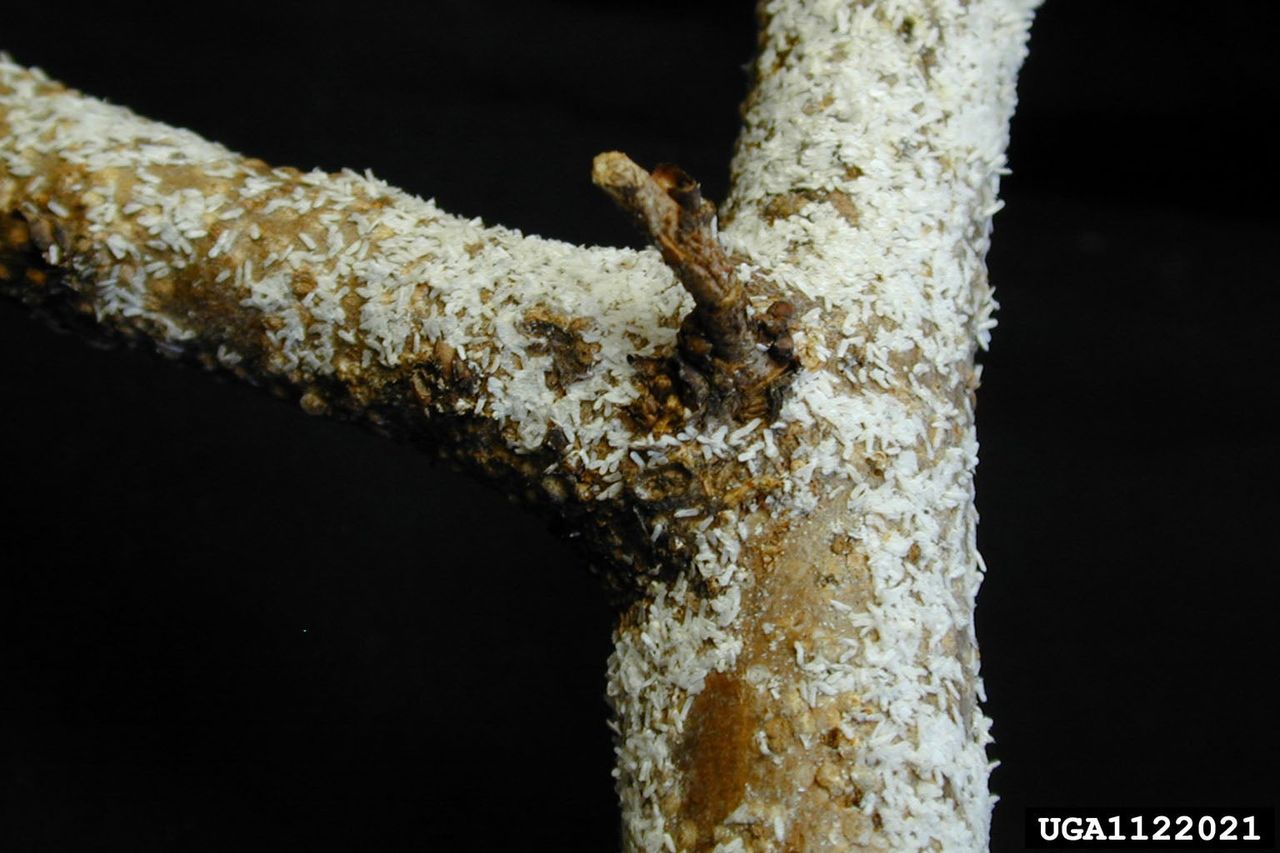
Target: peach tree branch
[(764, 427)]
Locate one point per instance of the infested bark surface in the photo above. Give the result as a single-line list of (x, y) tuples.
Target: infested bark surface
[(762, 430)]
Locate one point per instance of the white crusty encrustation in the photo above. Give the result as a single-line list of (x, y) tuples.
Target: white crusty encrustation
[(796, 667)]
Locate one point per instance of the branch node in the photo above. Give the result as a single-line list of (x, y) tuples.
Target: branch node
[(726, 362)]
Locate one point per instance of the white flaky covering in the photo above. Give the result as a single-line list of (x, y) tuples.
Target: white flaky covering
[(795, 667)]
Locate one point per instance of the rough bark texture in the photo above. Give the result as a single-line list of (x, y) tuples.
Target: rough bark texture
[(795, 668)]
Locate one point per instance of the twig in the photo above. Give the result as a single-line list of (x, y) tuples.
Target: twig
[(718, 340)]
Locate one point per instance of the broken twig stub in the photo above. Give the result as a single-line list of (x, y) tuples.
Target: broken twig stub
[(727, 361)]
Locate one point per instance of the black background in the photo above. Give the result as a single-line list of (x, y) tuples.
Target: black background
[(225, 625)]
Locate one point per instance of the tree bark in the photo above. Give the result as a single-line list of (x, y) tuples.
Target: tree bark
[(763, 428)]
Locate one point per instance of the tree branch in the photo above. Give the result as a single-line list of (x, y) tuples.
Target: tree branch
[(796, 666), (515, 355)]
